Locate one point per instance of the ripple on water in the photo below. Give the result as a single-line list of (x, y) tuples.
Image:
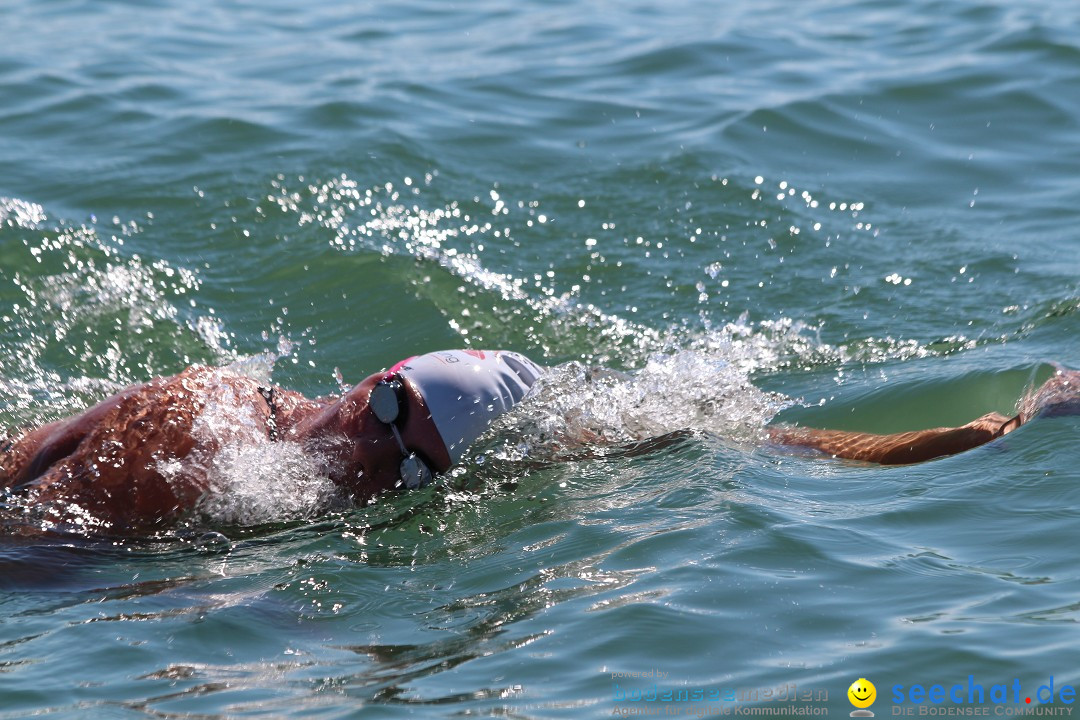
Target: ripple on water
[(671, 167)]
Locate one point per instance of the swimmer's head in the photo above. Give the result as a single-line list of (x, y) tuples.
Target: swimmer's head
[(462, 392), (420, 417), (394, 442)]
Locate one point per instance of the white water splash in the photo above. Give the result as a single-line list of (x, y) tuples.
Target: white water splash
[(382, 219), (262, 482), (251, 479), (575, 405), (20, 213), (376, 219), (107, 316)]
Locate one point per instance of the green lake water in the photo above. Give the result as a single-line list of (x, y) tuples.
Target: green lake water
[(703, 217)]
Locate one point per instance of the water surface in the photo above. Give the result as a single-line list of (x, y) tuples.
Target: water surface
[(859, 214)]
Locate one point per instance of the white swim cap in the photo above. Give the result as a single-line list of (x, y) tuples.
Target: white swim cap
[(465, 390)]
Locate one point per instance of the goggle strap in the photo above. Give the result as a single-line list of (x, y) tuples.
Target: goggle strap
[(397, 436)]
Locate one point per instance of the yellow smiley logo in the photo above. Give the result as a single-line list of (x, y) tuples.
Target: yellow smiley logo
[(862, 693)]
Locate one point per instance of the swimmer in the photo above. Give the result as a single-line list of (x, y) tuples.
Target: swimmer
[(142, 459)]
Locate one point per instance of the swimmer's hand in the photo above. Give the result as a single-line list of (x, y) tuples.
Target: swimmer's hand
[(1060, 395)]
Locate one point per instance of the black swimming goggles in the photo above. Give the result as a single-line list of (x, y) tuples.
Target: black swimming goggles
[(386, 402)]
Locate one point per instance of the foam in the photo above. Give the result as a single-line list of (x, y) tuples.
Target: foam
[(85, 282), (251, 479)]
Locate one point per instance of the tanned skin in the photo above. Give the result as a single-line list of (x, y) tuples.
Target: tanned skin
[(1060, 395), (142, 458), (899, 448)]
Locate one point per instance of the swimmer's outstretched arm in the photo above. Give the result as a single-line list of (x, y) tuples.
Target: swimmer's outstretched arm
[(898, 448), (1060, 395)]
